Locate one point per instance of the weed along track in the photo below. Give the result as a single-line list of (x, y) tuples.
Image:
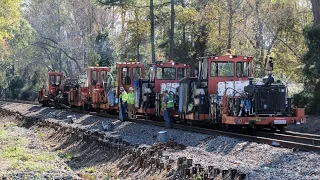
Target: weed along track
[(94, 155), (23, 155)]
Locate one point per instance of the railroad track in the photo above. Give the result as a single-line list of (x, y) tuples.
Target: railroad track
[(294, 140)]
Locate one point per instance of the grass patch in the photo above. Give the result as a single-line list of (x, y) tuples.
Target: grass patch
[(17, 156), (68, 156), (90, 170)]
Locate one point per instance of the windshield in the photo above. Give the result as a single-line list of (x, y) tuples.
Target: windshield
[(52, 80), (182, 73), (136, 72), (166, 73), (126, 80), (58, 80), (94, 76), (222, 69), (243, 69), (103, 76), (151, 74)]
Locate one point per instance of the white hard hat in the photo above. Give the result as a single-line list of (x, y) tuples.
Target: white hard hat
[(131, 88), (121, 89)]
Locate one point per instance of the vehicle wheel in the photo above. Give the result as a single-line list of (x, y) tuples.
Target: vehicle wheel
[(282, 129), (273, 129), (87, 107), (44, 104)]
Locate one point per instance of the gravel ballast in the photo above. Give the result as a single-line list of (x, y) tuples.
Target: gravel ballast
[(259, 161)]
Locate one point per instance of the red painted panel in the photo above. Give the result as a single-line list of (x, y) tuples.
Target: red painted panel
[(213, 81)]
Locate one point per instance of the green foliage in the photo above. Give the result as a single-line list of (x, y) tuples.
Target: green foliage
[(61, 37), (15, 85), (68, 156), (103, 51), (9, 18), (90, 170), (310, 97)]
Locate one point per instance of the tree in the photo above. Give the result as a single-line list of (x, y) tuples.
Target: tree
[(172, 31), (153, 55), (310, 96), (9, 21), (316, 11)]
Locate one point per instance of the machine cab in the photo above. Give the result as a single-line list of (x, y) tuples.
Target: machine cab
[(55, 82), (221, 69), (166, 75), (97, 76), (127, 73)]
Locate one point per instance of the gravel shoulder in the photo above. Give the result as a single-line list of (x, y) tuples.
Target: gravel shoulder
[(312, 126), (259, 161)]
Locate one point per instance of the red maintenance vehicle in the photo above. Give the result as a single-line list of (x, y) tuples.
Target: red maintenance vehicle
[(224, 94), (55, 84), (162, 76), (127, 73), (91, 95), (101, 90)]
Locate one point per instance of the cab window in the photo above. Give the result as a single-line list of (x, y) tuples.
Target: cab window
[(126, 80), (94, 77), (151, 74), (182, 73), (222, 69), (243, 69), (136, 72), (58, 80), (166, 73), (52, 80), (103, 76)]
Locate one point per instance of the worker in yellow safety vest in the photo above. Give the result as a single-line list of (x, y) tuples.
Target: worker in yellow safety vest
[(167, 105), (123, 98), (131, 107)]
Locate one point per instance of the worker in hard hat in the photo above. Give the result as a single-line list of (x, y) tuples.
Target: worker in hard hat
[(167, 105), (131, 107), (123, 98)]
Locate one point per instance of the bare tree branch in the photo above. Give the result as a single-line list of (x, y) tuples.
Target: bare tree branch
[(290, 48), (62, 50)]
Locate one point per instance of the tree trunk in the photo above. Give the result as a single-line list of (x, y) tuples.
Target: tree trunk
[(316, 12), (270, 48), (59, 37), (153, 54), (123, 19), (138, 51), (172, 31), (138, 38), (259, 39), (229, 2), (219, 26)]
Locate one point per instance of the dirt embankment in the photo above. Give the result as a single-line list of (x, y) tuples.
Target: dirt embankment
[(24, 154)]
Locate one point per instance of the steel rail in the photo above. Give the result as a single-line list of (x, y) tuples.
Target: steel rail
[(302, 134), (292, 138), (307, 142)]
